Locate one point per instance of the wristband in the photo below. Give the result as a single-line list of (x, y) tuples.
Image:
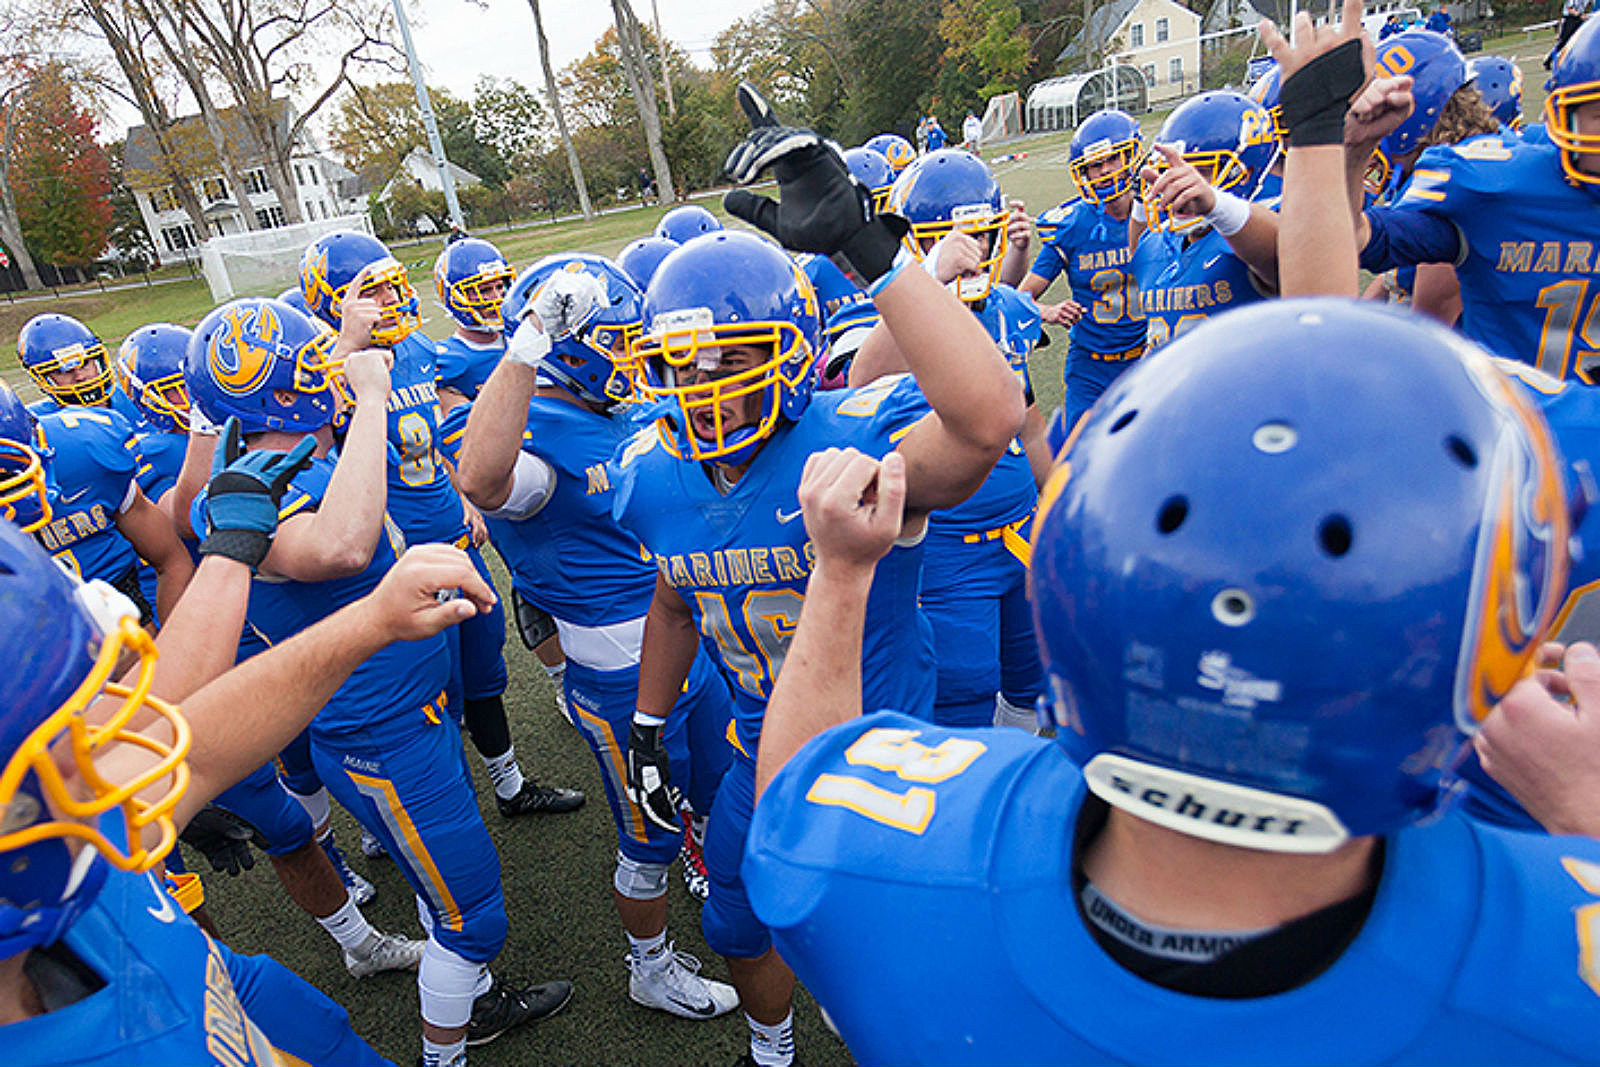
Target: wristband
[(901, 258), (528, 345), (1314, 98), (1136, 213), (1229, 215), (644, 718)]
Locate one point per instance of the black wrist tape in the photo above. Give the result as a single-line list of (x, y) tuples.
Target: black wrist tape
[(1315, 98)]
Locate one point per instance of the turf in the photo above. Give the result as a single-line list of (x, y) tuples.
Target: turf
[(556, 870)]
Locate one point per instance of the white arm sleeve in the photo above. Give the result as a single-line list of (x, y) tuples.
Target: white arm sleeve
[(532, 482)]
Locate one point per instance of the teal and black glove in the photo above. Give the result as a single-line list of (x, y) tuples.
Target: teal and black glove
[(243, 496)]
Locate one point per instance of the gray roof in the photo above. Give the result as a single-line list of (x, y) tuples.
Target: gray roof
[(1278, 11), (1103, 22), (142, 164)]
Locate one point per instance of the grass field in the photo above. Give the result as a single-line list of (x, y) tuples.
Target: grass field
[(556, 871)]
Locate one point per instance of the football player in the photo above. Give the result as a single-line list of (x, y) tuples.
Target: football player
[(534, 459), (1515, 216), (422, 499), (471, 277), (68, 363), (25, 487), (383, 744), (1499, 81), (1089, 241), (686, 222), (731, 331), (974, 569), (99, 964), (641, 257), (896, 149)]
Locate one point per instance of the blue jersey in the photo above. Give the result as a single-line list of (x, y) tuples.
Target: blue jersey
[(949, 854), (1092, 248), (464, 366), (422, 500), (834, 289), (161, 458), (740, 560), (570, 557), (393, 682), (94, 469), (1521, 238), (1182, 282), (167, 997)]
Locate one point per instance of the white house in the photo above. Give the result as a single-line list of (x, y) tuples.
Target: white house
[(419, 168), (316, 178), (1158, 38)]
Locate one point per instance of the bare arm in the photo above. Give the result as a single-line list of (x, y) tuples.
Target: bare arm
[(150, 531), (244, 717), (494, 434), (1036, 444), (670, 644), (200, 637), (1019, 239), (1437, 292), (191, 479), (878, 357), (853, 509)]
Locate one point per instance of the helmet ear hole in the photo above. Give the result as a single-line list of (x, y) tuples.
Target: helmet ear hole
[(1463, 452), (1335, 536), (1123, 421), (1172, 514)]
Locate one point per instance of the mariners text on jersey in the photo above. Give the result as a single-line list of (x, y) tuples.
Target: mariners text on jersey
[(738, 566)]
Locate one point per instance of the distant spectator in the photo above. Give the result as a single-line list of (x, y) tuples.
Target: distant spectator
[(647, 186), (1439, 21), (937, 138), (922, 135), (1391, 26), (1572, 16), (456, 234), (971, 131)]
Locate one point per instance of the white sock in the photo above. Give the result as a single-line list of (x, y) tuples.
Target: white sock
[(504, 773), (452, 1055), (649, 953), (425, 916), (556, 673), (772, 1046), (348, 927), (317, 805)]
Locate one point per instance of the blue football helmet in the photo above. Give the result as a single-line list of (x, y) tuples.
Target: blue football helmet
[(686, 222), (1264, 91), (948, 190), (471, 277), (593, 361), (1227, 137), (640, 258), (1214, 516), (724, 289), (264, 363), (843, 333), (25, 488), (149, 368), (896, 149), (1437, 69), (331, 262), (1574, 82), (1106, 135), (295, 298), (53, 344), (127, 755), (1499, 82), (871, 168)]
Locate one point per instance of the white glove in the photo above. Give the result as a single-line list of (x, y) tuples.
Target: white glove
[(567, 302), (529, 345)]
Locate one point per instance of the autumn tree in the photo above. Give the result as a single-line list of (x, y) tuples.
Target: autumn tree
[(60, 174)]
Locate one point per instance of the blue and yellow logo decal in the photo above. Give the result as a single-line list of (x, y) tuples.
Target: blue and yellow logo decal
[(242, 351)]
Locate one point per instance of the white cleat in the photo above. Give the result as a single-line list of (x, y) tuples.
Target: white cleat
[(372, 847), (677, 987), (385, 952)]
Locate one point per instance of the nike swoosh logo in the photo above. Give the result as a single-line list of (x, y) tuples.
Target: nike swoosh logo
[(786, 517), (1208, 264), (165, 913), (74, 496), (705, 1011)]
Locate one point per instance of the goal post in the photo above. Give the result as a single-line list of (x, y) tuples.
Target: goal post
[(265, 262)]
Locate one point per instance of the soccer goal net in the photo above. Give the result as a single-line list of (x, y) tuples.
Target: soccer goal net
[(265, 262), (1002, 119)]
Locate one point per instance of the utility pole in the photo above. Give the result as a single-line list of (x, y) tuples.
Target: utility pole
[(666, 68), (435, 145)]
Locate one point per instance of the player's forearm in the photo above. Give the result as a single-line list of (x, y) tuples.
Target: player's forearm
[(349, 520), (192, 478), (670, 645), (1257, 244), (820, 684), (1316, 248), (247, 715), (1356, 161), (1034, 285), (960, 370), (173, 573), (877, 357), (1036, 445), (494, 434), (1014, 265), (200, 637)]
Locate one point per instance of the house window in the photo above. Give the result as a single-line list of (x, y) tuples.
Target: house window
[(267, 218), (255, 181), (1162, 30), (214, 189), (299, 177), (1149, 71), (311, 169), (326, 213), (1136, 35), (178, 238), (163, 199), (1175, 70)]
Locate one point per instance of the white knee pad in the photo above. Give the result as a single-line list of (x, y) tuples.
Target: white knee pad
[(640, 881), (447, 985), (1008, 714), (317, 806), (424, 916)]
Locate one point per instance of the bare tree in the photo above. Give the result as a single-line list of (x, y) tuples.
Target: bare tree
[(10, 221), (643, 85), (666, 68), (553, 92)]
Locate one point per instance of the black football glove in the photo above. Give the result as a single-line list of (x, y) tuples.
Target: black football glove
[(243, 496), (223, 838), (650, 778), (821, 208)]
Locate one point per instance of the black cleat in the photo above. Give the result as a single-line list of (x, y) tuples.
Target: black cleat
[(536, 799), (502, 1009)]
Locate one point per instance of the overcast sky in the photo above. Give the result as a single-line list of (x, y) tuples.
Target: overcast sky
[(458, 41)]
